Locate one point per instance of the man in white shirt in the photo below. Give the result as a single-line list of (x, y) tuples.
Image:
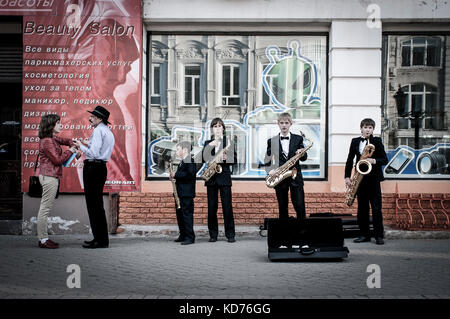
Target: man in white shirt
[(98, 152)]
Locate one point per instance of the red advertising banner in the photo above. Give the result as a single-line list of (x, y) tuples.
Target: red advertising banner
[(87, 54)]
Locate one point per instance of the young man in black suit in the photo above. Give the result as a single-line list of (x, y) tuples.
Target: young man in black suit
[(220, 181), (280, 149), (369, 190), (185, 183)]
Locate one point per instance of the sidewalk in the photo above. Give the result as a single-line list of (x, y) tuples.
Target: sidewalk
[(155, 267)]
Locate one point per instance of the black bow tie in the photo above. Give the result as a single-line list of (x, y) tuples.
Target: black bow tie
[(284, 138), (362, 139)]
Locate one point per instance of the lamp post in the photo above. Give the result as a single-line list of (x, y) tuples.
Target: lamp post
[(415, 115)]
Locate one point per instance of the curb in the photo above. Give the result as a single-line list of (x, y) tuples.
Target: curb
[(254, 231)]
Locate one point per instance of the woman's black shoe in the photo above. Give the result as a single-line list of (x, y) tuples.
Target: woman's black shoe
[(361, 239), (95, 245)]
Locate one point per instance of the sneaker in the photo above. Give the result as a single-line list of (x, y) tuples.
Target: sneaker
[(379, 241), (48, 244), (231, 240)]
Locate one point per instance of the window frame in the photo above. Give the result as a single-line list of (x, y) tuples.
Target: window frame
[(232, 94), (183, 85)]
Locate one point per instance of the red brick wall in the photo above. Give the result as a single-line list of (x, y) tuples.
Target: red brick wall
[(248, 208)]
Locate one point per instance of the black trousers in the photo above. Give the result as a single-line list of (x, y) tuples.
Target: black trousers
[(180, 221), (297, 197), (94, 177), (213, 205), (369, 195), (185, 218)]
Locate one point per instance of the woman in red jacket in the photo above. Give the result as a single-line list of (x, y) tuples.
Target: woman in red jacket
[(51, 159)]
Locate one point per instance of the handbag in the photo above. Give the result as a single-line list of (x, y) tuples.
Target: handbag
[(35, 187)]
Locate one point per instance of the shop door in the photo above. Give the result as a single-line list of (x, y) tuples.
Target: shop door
[(10, 120)]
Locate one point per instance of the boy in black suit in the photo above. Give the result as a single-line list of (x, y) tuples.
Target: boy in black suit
[(280, 149), (369, 190), (220, 181), (185, 183)]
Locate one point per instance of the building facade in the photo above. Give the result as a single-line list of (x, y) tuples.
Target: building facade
[(183, 63), (242, 62)]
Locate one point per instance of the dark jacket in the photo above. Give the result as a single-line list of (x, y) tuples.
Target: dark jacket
[(379, 155), (185, 178), (275, 158), (51, 156), (208, 153)]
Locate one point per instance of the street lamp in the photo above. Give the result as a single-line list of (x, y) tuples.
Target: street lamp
[(415, 115)]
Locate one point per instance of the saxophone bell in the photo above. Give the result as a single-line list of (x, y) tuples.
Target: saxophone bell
[(218, 169), (363, 167)]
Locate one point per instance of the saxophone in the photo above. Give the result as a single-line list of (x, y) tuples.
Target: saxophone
[(283, 172), (213, 165), (174, 186), (359, 174)]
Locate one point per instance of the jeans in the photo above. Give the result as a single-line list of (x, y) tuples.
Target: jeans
[(49, 190)]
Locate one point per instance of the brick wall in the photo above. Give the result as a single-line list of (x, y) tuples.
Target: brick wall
[(248, 208)]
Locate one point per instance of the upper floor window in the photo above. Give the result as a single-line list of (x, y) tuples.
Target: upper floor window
[(423, 51), (421, 102), (230, 84), (272, 82), (192, 85), (156, 84)]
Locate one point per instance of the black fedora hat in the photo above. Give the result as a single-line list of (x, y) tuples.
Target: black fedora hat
[(101, 113)]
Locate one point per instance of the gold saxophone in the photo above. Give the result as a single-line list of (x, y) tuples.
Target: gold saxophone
[(359, 174), (213, 165), (284, 171), (174, 186)]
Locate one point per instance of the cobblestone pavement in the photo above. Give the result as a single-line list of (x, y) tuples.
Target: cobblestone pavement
[(152, 268)]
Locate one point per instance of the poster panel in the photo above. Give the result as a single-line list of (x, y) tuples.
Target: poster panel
[(87, 53)]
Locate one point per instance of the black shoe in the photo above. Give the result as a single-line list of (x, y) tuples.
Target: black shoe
[(187, 242), (361, 239), (179, 240), (379, 241), (212, 240), (89, 242), (231, 240), (95, 245)]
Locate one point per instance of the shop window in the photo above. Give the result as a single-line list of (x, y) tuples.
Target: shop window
[(203, 76), (415, 105)]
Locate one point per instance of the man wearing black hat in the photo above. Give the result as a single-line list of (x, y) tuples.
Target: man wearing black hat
[(98, 152)]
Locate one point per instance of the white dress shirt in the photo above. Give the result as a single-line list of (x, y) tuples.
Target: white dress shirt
[(285, 144), (362, 144), (101, 144)]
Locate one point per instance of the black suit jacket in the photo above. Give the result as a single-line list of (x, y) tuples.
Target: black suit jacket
[(208, 153), (185, 178), (275, 158), (379, 155)]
